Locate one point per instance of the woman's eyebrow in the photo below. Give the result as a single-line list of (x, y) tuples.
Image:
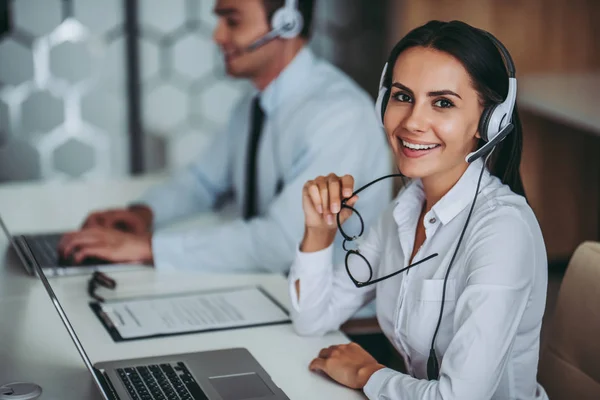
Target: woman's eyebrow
[(444, 92), (402, 87)]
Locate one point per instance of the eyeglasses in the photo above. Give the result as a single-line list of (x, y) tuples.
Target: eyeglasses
[(100, 279), (354, 229)]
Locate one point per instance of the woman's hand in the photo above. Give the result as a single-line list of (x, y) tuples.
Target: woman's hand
[(348, 364), (321, 202)]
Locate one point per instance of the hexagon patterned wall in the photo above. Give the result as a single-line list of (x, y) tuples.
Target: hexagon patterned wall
[(187, 99), (63, 98), (190, 98), (62, 116)]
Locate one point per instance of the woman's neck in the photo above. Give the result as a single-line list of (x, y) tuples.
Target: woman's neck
[(436, 186)]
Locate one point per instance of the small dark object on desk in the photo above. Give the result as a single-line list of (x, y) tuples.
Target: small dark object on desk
[(100, 279)]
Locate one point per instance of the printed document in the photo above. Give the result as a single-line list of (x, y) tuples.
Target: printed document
[(193, 312)]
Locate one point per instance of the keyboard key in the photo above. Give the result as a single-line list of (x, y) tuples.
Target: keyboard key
[(161, 382), (132, 392)]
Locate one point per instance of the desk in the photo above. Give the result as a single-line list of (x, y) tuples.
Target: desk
[(35, 346)]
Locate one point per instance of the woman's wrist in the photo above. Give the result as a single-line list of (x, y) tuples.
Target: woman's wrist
[(316, 239)]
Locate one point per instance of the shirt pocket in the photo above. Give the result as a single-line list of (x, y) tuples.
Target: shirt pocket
[(433, 290), (423, 313)]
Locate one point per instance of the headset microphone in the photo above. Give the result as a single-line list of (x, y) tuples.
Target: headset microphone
[(489, 146), (269, 37)]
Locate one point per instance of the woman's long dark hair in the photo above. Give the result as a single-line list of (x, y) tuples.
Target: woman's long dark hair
[(485, 65)]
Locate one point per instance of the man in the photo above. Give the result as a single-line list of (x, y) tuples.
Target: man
[(305, 118)]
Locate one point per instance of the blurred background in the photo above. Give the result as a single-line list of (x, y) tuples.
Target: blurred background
[(95, 89), (104, 89)]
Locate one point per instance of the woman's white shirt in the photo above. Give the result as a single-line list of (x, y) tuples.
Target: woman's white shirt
[(488, 342)]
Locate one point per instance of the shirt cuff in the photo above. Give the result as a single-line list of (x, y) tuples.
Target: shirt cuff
[(305, 265), (167, 249), (308, 262), (377, 381), (152, 205)]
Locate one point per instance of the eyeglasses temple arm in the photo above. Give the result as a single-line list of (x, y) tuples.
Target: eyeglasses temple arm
[(363, 284), (369, 184)]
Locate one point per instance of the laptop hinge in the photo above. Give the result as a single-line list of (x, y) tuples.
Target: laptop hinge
[(21, 250), (109, 389)]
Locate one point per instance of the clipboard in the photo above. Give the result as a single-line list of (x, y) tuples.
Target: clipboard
[(113, 324)]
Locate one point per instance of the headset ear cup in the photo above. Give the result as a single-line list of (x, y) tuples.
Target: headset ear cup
[(384, 103), (382, 96), (290, 22), (381, 103), (484, 122)]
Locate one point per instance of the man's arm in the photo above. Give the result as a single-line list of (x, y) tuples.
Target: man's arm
[(268, 243), (195, 188)]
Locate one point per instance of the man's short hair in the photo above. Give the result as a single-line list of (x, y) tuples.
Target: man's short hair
[(306, 8)]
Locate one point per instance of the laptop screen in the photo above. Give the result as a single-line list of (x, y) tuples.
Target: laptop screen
[(10, 240), (61, 313)]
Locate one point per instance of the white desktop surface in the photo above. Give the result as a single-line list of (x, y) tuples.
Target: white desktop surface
[(35, 346)]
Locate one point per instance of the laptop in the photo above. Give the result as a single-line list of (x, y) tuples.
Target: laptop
[(227, 374), (45, 249)]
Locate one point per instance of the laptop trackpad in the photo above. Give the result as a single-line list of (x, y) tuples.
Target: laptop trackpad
[(240, 387)]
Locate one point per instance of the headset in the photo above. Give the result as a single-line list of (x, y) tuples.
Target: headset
[(495, 122), (286, 23), (494, 125)]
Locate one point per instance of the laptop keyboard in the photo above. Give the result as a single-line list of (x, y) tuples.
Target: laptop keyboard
[(44, 247), (161, 382), (45, 250)]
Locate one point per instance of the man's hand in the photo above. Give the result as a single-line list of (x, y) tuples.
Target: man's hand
[(136, 219), (108, 244), (348, 364)]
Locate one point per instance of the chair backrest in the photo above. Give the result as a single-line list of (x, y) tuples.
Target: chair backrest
[(570, 361)]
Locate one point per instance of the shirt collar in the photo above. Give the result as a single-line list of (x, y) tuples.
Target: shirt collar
[(409, 203), (451, 204), (406, 213), (462, 193), (289, 81)]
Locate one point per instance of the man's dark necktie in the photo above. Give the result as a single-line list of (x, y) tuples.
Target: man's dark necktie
[(256, 125)]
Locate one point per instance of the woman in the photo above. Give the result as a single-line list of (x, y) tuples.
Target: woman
[(466, 315)]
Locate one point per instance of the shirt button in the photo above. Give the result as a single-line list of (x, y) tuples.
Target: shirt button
[(432, 220)]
